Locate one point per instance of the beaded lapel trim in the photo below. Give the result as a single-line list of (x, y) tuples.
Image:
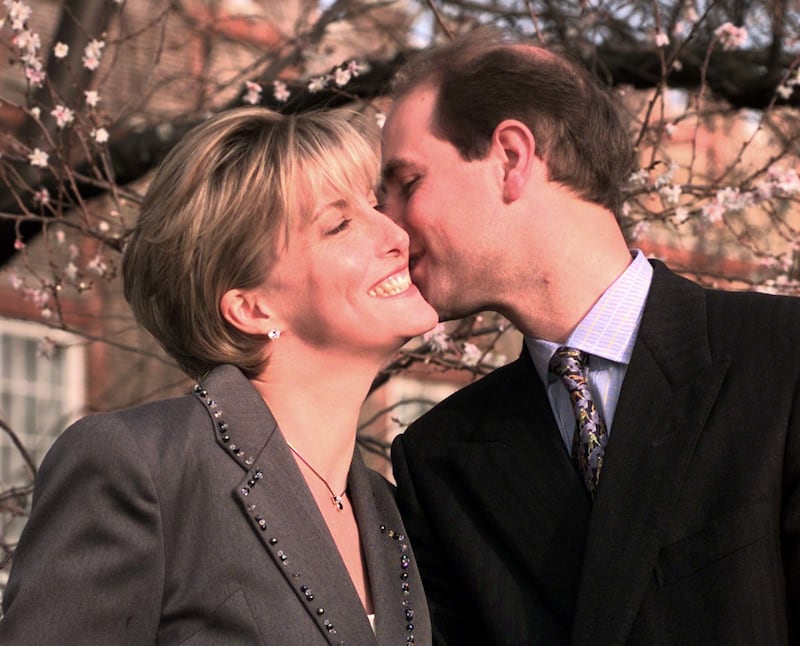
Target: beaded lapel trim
[(255, 475)]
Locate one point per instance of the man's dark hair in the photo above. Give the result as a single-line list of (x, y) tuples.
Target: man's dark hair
[(484, 77)]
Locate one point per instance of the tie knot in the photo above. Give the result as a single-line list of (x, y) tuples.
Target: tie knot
[(568, 362)]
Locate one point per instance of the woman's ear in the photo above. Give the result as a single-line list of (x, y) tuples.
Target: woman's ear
[(246, 310), (516, 146)]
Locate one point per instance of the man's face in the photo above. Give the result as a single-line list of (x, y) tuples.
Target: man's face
[(446, 206)]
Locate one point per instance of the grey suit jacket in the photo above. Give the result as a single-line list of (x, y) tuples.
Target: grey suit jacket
[(187, 521), (694, 535)]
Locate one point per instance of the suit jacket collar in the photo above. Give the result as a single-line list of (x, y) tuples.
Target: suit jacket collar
[(669, 389), (276, 501)]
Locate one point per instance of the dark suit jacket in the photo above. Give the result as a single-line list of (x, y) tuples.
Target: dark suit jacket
[(162, 524), (694, 536)]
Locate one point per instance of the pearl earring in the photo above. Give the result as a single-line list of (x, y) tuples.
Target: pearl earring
[(274, 334)]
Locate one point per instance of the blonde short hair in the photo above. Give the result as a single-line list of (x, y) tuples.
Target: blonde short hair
[(212, 219)]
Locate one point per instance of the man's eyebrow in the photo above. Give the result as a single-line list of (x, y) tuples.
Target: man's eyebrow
[(394, 166)]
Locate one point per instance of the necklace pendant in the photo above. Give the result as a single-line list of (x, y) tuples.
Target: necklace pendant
[(337, 501)]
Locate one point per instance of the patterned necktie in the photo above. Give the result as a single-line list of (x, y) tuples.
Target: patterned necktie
[(590, 437)]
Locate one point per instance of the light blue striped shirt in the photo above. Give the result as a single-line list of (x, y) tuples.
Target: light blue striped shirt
[(607, 333)]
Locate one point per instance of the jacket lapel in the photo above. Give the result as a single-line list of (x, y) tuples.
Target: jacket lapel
[(518, 474), (277, 503), (669, 389), (399, 602)]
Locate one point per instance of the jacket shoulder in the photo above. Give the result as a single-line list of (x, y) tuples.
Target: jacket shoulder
[(475, 404)]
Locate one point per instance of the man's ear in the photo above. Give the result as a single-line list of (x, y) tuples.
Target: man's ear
[(516, 146), (246, 310)]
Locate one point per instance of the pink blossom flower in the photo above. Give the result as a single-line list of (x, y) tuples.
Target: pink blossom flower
[(730, 36), (35, 75), (471, 355), (253, 95), (64, 116), (27, 41), (92, 98), (42, 196), (19, 14), (280, 91), (662, 40), (92, 54), (355, 68)]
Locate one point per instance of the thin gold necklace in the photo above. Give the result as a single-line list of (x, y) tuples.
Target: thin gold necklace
[(338, 501)]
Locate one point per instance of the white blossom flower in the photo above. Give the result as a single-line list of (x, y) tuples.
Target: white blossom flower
[(380, 119), (640, 176), (36, 112), (730, 36), (437, 338), (97, 265), (61, 50), (16, 282), (92, 98), (100, 135), (317, 84), (784, 91), (681, 215), (253, 94), (669, 129), (342, 76), (19, 13), (670, 193), (64, 116), (71, 271), (471, 355), (61, 236), (38, 158), (662, 40), (641, 228), (355, 68), (280, 91)]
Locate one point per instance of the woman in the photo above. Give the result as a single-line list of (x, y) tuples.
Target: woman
[(242, 513)]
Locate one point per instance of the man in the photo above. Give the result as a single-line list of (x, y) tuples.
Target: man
[(672, 514)]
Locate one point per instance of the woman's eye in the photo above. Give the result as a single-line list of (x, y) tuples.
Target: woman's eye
[(338, 228)]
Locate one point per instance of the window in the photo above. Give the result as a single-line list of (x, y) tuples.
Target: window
[(42, 390)]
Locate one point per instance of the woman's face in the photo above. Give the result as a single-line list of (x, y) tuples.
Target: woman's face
[(342, 281)]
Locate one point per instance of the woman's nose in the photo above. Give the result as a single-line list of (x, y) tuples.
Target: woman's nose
[(395, 238)]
